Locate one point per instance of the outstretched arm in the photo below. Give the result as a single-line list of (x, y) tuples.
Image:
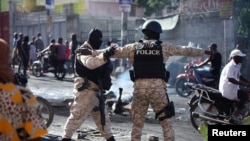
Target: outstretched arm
[(183, 51), (203, 63)]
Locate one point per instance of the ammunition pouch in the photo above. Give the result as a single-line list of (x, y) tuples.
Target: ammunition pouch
[(169, 111), (84, 85), (167, 75), (96, 109), (132, 75)]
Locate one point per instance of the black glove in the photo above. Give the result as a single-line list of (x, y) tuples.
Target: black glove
[(83, 51), (109, 52)]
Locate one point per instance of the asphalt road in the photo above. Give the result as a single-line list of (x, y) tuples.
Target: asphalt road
[(56, 92)]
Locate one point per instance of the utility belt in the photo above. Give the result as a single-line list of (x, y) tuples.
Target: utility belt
[(132, 75), (82, 83)]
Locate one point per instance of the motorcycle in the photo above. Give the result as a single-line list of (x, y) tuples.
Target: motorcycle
[(44, 107), (189, 76), (208, 106), (42, 65)]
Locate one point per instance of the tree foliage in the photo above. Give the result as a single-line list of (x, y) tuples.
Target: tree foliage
[(242, 12), (152, 6)]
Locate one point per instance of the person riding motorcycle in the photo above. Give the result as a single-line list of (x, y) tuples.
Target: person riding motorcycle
[(231, 80), (61, 50), (214, 69), (52, 51)]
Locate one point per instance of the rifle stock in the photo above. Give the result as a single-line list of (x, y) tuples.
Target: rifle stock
[(118, 106), (101, 104)]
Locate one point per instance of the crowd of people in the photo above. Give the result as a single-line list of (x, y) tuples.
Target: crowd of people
[(92, 76), (24, 51)]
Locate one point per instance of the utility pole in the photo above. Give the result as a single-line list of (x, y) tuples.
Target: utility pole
[(49, 25), (11, 13), (124, 6), (124, 34), (49, 7)]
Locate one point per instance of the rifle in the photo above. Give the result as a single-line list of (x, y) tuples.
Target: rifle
[(118, 106), (101, 104)]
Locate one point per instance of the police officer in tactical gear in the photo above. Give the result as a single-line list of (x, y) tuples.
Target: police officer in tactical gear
[(150, 84), (93, 73)]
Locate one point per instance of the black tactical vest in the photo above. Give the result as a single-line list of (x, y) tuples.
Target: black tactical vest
[(102, 73), (148, 61)]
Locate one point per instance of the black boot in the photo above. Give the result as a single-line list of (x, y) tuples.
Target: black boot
[(65, 139), (111, 139)]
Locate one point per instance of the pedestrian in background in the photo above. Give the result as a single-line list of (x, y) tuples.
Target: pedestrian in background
[(73, 46), (39, 42), (93, 74), (19, 51), (25, 50), (32, 52), (14, 40), (19, 117), (67, 55), (14, 50), (67, 49), (148, 57)]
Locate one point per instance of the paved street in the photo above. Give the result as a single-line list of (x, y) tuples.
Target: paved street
[(56, 92)]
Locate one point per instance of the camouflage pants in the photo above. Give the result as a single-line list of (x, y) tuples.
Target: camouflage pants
[(157, 99), (82, 106)]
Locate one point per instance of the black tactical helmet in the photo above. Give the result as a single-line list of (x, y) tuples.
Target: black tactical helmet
[(152, 26)]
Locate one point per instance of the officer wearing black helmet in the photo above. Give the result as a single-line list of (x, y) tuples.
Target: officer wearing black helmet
[(93, 74), (148, 57)]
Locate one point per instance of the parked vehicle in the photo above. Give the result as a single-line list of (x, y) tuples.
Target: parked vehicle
[(188, 76), (208, 106), (42, 65)]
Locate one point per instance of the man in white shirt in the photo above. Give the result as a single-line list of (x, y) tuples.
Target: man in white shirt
[(231, 79)]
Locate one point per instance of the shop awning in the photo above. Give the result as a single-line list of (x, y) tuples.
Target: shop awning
[(167, 23)]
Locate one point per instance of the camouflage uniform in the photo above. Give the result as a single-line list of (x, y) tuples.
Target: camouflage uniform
[(86, 100), (152, 90)]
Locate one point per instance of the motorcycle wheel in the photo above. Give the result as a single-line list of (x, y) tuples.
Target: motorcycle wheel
[(180, 88), (45, 110), (194, 107), (36, 69), (60, 72)]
